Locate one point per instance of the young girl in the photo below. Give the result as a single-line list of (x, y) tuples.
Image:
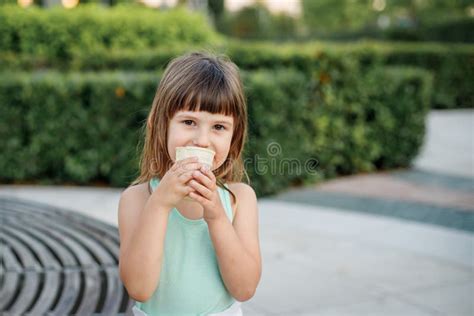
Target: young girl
[(189, 240)]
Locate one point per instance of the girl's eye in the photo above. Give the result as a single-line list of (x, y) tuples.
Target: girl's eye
[(218, 127)]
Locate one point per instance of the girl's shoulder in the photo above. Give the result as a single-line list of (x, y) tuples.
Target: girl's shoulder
[(242, 191), (239, 186), (141, 190)]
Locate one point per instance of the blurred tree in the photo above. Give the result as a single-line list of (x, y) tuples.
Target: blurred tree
[(216, 8), (252, 22), (115, 2), (327, 16), (391, 19), (284, 26), (430, 20), (109, 2), (2, 2)]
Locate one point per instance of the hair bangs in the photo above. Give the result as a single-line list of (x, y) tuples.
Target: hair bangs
[(208, 91)]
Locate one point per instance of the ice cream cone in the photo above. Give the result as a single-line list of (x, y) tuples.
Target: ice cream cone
[(205, 156)]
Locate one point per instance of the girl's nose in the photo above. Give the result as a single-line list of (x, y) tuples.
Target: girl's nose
[(201, 140)]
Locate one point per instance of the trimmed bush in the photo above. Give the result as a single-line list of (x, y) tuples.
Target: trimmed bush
[(280, 147), (76, 127), (61, 35), (452, 65), (85, 127), (375, 121)]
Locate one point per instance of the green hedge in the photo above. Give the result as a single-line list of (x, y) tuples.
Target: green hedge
[(61, 34), (377, 121), (349, 110), (76, 127), (92, 37), (454, 30), (452, 65), (86, 127)]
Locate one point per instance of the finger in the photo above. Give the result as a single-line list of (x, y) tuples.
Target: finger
[(190, 167), (204, 179), (186, 176), (198, 198), (201, 189), (188, 190), (181, 163), (209, 173)]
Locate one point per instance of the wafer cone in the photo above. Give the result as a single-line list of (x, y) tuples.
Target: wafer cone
[(205, 156)]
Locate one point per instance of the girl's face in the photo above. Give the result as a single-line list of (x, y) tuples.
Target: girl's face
[(201, 129)]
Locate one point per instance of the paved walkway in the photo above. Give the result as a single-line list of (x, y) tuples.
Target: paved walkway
[(449, 143), (347, 258)]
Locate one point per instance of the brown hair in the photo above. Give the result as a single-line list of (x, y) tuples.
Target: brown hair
[(197, 81)]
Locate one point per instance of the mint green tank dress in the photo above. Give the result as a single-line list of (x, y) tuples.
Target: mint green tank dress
[(190, 281)]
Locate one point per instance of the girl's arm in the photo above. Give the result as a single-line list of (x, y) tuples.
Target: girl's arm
[(142, 226), (237, 245)]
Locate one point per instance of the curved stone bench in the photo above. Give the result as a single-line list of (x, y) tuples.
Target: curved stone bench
[(58, 262)]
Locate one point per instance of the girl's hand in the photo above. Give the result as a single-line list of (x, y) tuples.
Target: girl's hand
[(173, 186), (206, 194)]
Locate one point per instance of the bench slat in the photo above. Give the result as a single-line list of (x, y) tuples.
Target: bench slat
[(115, 291), (59, 249), (48, 294), (47, 260), (7, 292), (70, 292), (51, 256), (29, 289), (10, 261)]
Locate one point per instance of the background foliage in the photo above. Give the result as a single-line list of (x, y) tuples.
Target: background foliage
[(74, 99)]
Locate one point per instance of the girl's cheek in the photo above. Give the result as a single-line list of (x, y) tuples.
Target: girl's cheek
[(220, 159)]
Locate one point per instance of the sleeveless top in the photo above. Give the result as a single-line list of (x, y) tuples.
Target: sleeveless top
[(190, 282)]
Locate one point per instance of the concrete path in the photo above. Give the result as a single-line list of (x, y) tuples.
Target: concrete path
[(351, 257), (449, 143)]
